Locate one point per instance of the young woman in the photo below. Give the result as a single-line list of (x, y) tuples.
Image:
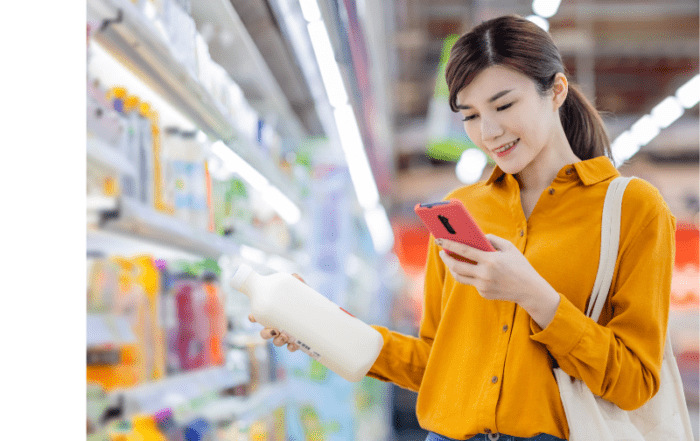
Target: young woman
[(491, 332)]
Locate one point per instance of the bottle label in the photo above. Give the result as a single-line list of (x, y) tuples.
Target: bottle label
[(305, 348)]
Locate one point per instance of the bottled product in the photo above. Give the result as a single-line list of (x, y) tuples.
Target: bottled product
[(159, 198), (184, 178), (145, 429), (131, 185), (322, 329), (166, 422), (216, 319), (102, 286), (149, 278), (145, 162), (191, 339), (132, 303), (199, 430)]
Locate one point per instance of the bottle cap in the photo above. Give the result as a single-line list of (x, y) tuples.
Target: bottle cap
[(240, 276), (144, 109), (131, 103)]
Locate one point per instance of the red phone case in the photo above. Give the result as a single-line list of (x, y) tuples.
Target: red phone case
[(451, 220)]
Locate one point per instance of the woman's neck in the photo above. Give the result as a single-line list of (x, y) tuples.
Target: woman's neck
[(542, 170)]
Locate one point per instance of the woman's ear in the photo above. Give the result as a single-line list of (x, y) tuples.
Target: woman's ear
[(560, 87)]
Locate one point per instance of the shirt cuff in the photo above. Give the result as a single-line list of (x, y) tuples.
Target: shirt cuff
[(565, 331)]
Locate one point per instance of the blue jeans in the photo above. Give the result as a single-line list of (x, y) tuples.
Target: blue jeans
[(495, 436)]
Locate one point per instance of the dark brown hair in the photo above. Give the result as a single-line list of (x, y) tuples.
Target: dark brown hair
[(517, 43)]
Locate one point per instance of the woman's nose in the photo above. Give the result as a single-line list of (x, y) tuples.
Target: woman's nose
[(490, 129)]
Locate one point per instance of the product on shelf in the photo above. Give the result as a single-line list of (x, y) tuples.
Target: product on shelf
[(190, 342), (159, 199), (114, 352), (145, 427), (181, 31), (320, 328), (133, 302), (168, 426), (216, 318), (231, 205), (185, 179), (127, 105), (148, 277), (103, 278), (199, 430), (145, 160), (102, 121)]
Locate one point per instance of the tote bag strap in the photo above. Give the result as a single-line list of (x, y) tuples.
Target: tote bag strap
[(609, 245)]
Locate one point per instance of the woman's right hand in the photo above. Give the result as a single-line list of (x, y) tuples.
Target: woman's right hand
[(278, 338)]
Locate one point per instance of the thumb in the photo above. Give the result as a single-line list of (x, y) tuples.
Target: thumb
[(499, 243)]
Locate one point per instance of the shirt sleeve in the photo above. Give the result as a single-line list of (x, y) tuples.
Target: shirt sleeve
[(403, 358), (621, 361)]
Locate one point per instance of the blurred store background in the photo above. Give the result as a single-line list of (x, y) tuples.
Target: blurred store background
[(297, 136)]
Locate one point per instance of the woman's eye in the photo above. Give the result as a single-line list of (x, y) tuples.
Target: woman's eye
[(504, 107), (470, 117)]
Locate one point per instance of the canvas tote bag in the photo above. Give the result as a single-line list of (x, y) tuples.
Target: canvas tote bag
[(591, 418)]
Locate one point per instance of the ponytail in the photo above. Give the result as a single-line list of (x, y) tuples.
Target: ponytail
[(583, 126)]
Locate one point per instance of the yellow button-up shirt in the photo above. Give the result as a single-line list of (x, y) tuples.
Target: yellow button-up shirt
[(484, 366)]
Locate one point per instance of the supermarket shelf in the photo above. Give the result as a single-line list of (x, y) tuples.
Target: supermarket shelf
[(261, 402), (135, 219), (185, 392), (130, 221), (106, 156), (136, 42), (140, 47), (253, 75)]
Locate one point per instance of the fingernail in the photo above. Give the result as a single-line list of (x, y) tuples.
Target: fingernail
[(273, 333)]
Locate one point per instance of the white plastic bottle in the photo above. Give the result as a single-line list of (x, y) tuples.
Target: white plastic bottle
[(321, 329)]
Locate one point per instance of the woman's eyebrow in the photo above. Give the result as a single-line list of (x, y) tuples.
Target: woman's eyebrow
[(492, 99)]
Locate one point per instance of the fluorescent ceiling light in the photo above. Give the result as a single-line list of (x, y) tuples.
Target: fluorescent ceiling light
[(310, 11), (539, 21), (689, 93), (471, 166), (282, 204), (330, 73), (624, 147), (360, 171), (237, 165), (667, 112), (379, 229), (545, 8), (644, 130)]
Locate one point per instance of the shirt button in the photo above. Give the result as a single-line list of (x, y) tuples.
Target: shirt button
[(551, 191), (494, 380), (505, 328), (522, 233)]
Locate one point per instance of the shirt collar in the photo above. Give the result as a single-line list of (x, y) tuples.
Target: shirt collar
[(590, 171)]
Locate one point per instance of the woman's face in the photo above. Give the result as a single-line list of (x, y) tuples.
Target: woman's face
[(506, 117)]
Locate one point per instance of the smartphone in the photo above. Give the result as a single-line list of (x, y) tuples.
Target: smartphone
[(451, 220)]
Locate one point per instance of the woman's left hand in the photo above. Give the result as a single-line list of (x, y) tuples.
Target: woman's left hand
[(501, 275)]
